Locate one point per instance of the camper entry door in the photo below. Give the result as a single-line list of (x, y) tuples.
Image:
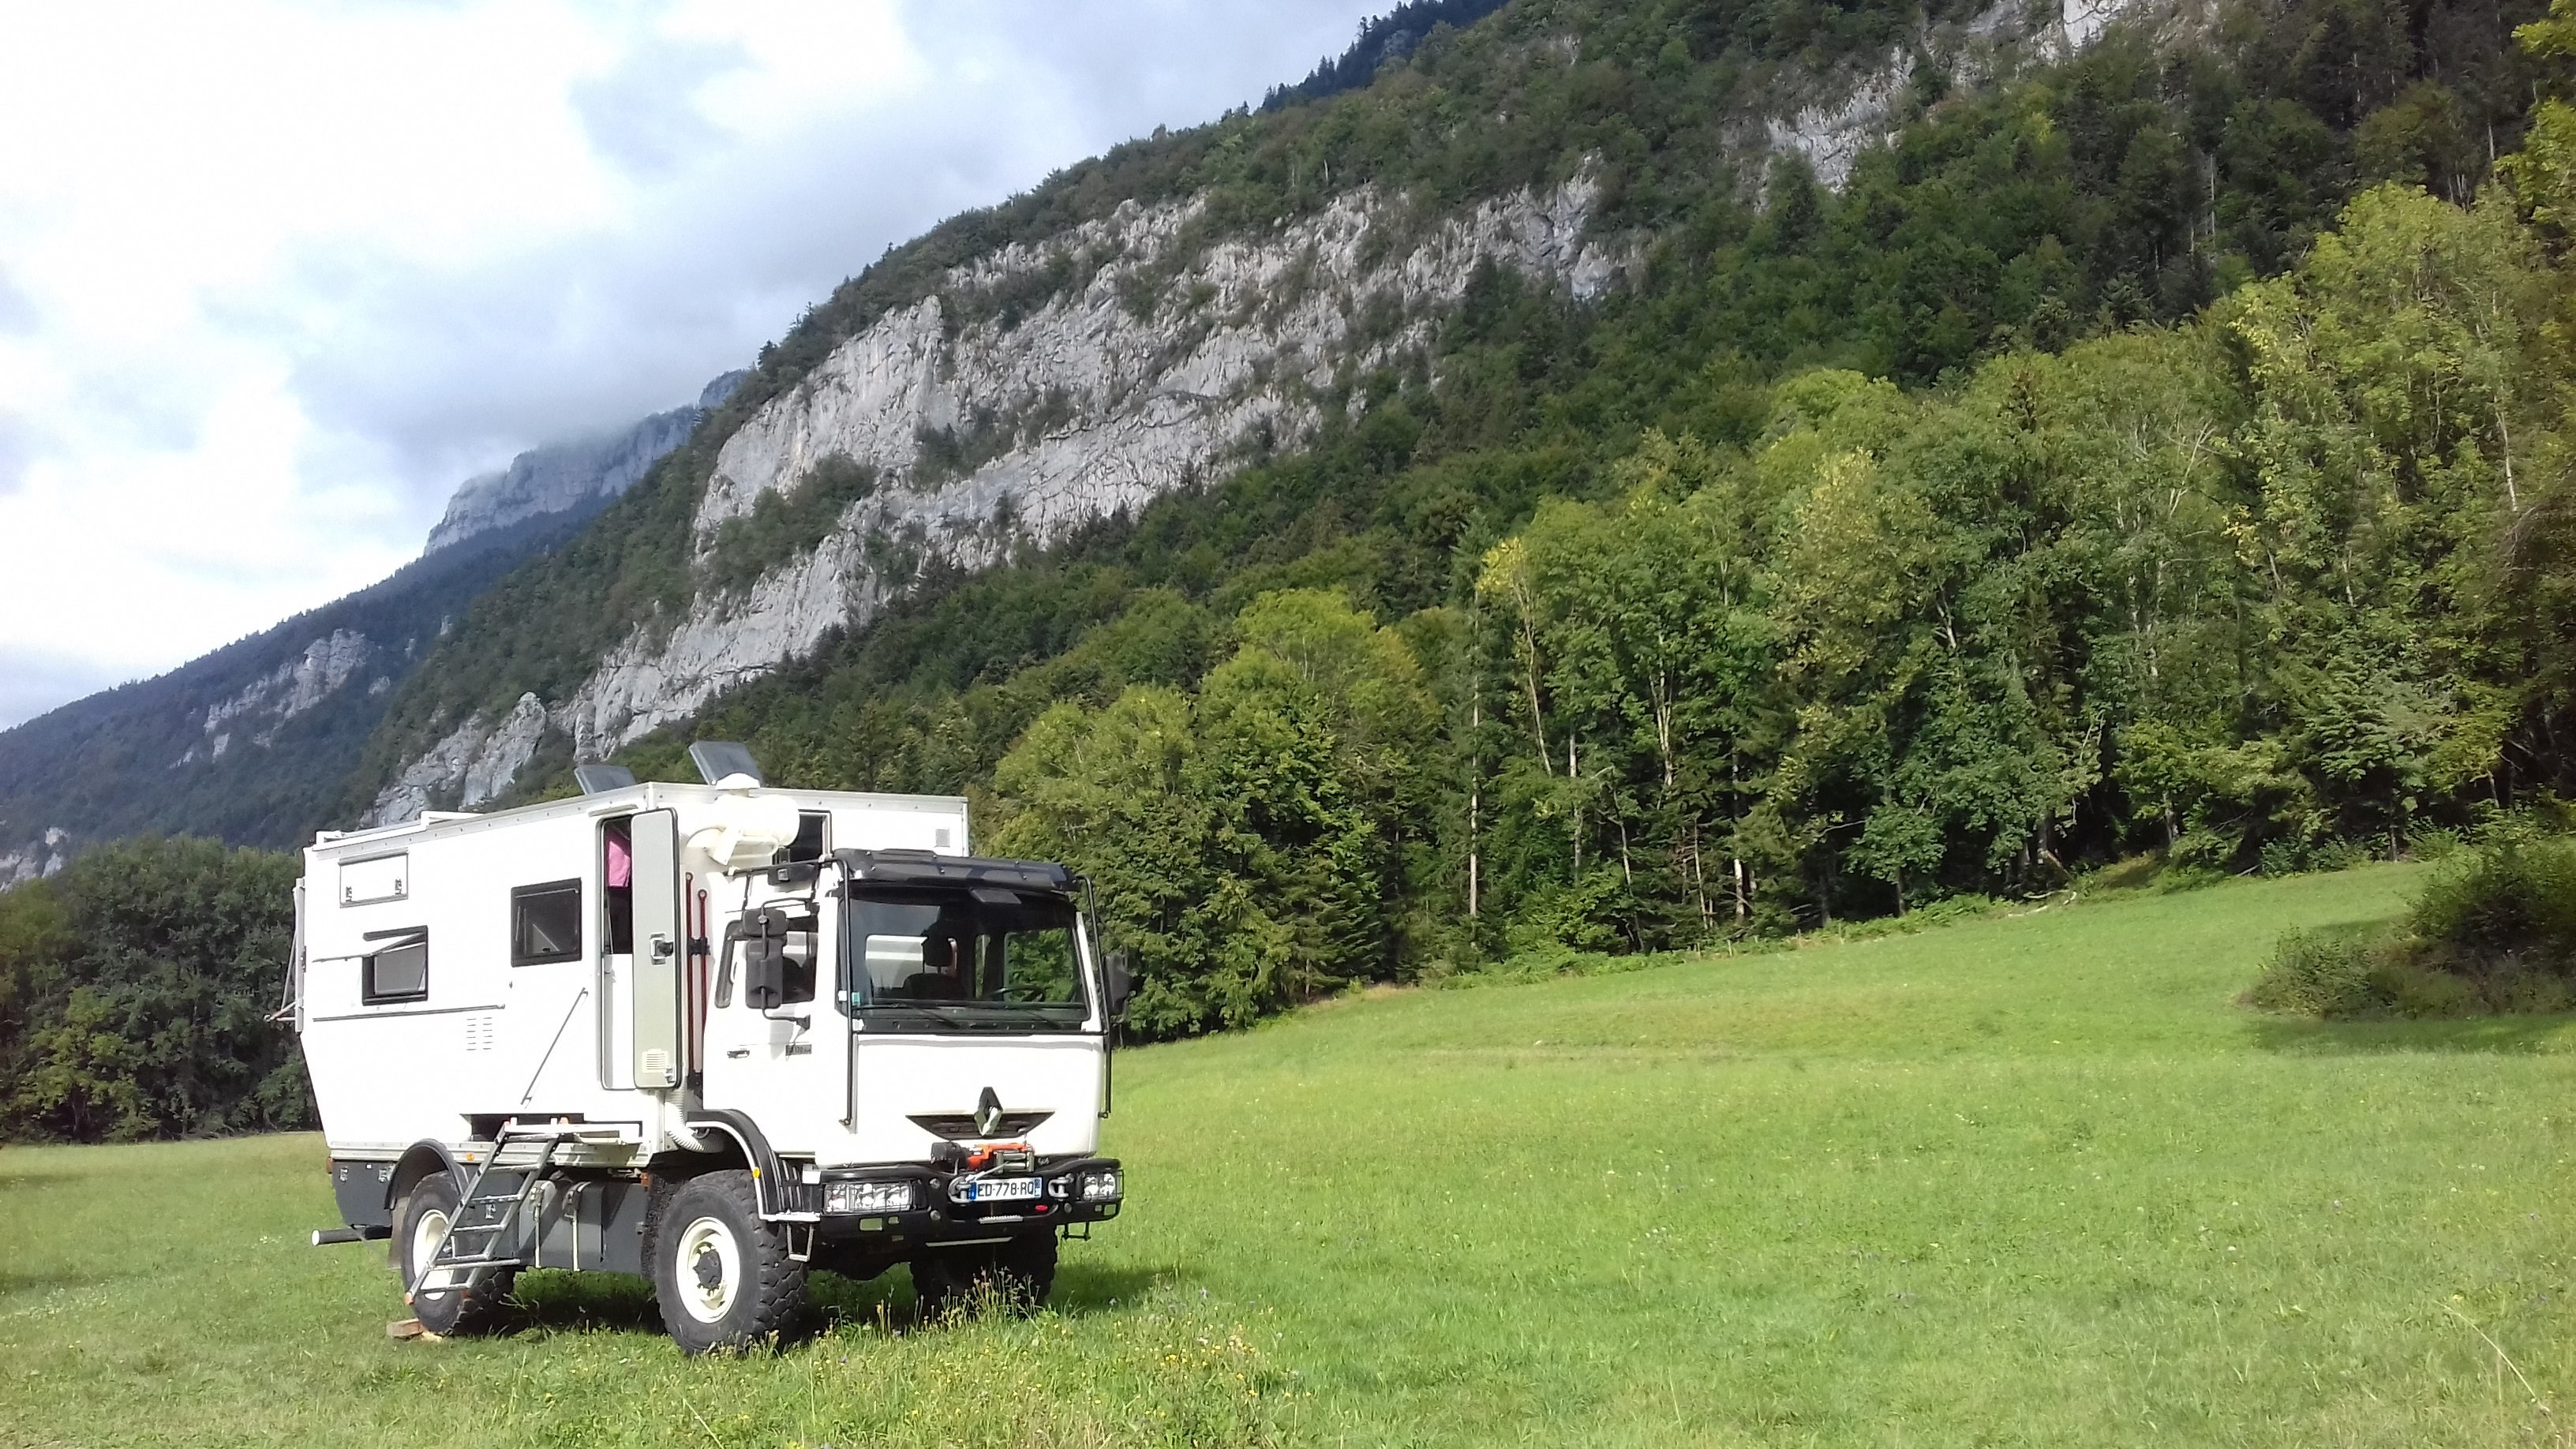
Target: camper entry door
[(660, 945)]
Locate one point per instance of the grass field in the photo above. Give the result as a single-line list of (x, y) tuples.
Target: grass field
[(2018, 1181)]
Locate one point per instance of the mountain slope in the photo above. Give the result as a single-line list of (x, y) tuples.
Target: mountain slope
[(251, 742), (1150, 323)]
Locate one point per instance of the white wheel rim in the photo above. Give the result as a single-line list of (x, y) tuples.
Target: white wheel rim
[(708, 1302), (426, 1231)]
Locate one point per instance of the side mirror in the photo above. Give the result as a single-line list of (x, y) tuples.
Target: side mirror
[(764, 967), (1119, 981)]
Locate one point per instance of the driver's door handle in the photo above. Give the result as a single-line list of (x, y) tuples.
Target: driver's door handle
[(738, 1051)]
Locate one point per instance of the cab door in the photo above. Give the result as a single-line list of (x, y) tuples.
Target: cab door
[(784, 1065)]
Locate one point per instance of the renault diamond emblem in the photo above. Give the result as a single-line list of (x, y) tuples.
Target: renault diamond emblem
[(988, 1113)]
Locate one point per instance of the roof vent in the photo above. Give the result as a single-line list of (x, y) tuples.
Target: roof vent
[(725, 763), (600, 779)]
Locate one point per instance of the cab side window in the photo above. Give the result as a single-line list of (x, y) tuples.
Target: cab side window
[(545, 923), (800, 939)]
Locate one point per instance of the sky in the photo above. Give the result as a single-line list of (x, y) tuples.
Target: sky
[(276, 275)]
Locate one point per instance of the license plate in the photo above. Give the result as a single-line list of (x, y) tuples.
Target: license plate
[(999, 1189)]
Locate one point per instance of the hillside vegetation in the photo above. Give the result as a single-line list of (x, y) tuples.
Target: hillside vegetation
[(2029, 1180), (1633, 625), (251, 743)]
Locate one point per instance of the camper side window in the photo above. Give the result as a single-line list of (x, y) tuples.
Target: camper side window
[(396, 972), (545, 923)]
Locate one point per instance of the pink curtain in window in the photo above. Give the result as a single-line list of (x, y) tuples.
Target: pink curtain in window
[(621, 863)]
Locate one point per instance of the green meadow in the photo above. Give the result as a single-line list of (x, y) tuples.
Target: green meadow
[(2031, 1179)]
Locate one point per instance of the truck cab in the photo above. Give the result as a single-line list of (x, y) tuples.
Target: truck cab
[(715, 1035)]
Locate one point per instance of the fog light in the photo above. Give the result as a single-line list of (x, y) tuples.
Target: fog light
[(1100, 1186), (867, 1197)]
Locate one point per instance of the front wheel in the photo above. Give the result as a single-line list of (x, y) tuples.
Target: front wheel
[(723, 1276)]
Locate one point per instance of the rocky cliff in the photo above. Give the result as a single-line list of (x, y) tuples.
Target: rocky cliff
[(1157, 363), (1037, 386), (578, 476)]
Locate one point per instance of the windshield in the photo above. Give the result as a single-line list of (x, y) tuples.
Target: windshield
[(957, 959)]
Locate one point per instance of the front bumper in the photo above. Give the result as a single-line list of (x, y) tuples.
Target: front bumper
[(936, 1217)]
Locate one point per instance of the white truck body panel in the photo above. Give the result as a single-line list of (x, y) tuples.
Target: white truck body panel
[(574, 1032)]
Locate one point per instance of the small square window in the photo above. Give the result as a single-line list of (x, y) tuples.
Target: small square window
[(399, 972), (545, 923)]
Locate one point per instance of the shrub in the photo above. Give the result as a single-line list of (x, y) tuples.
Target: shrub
[(2493, 930), (2511, 900), (2321, 973)]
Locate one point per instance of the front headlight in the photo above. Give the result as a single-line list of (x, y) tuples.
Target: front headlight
[(1101, 1186), (867, 1197)]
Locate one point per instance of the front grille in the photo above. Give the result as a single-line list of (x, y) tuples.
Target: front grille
[(962, 1127)]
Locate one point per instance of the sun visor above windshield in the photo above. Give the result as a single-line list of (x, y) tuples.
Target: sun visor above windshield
[(921, 867)]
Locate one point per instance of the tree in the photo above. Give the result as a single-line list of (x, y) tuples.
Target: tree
[(155, 981)]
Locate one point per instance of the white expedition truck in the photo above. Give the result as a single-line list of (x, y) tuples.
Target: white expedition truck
[(711, 1034)]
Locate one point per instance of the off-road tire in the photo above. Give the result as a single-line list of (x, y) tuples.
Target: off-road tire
[(721, 1275), (447, 1312), (1015, 1276)]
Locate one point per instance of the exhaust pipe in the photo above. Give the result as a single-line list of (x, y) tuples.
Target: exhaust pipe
[(324, 1237)]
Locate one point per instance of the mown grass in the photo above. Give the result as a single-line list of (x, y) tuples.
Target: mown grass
[(2027, 1180)]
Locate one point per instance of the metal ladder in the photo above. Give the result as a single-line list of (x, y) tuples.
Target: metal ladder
[(456, 1249)]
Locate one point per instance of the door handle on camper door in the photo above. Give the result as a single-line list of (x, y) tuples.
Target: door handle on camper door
[(662, 948)]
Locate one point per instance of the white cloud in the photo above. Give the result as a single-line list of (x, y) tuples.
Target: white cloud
[(275, 276)]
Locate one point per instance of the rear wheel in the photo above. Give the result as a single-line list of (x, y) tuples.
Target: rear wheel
[(723, 1276), (438, 1299)]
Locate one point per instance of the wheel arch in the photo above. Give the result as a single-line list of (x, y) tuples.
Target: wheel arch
[(425, 1158), (768, 1179)]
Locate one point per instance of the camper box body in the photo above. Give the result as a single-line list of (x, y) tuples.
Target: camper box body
[(574, 963)]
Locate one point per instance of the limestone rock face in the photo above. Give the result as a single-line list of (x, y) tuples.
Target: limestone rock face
[(1164, 361), (472, 764), (291, 689), (1089, 405), (571, 476), (1867, 108), (49, 852)]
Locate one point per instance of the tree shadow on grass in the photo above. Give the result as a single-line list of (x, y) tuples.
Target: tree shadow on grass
[(15, 1281), (2536, 1034)]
